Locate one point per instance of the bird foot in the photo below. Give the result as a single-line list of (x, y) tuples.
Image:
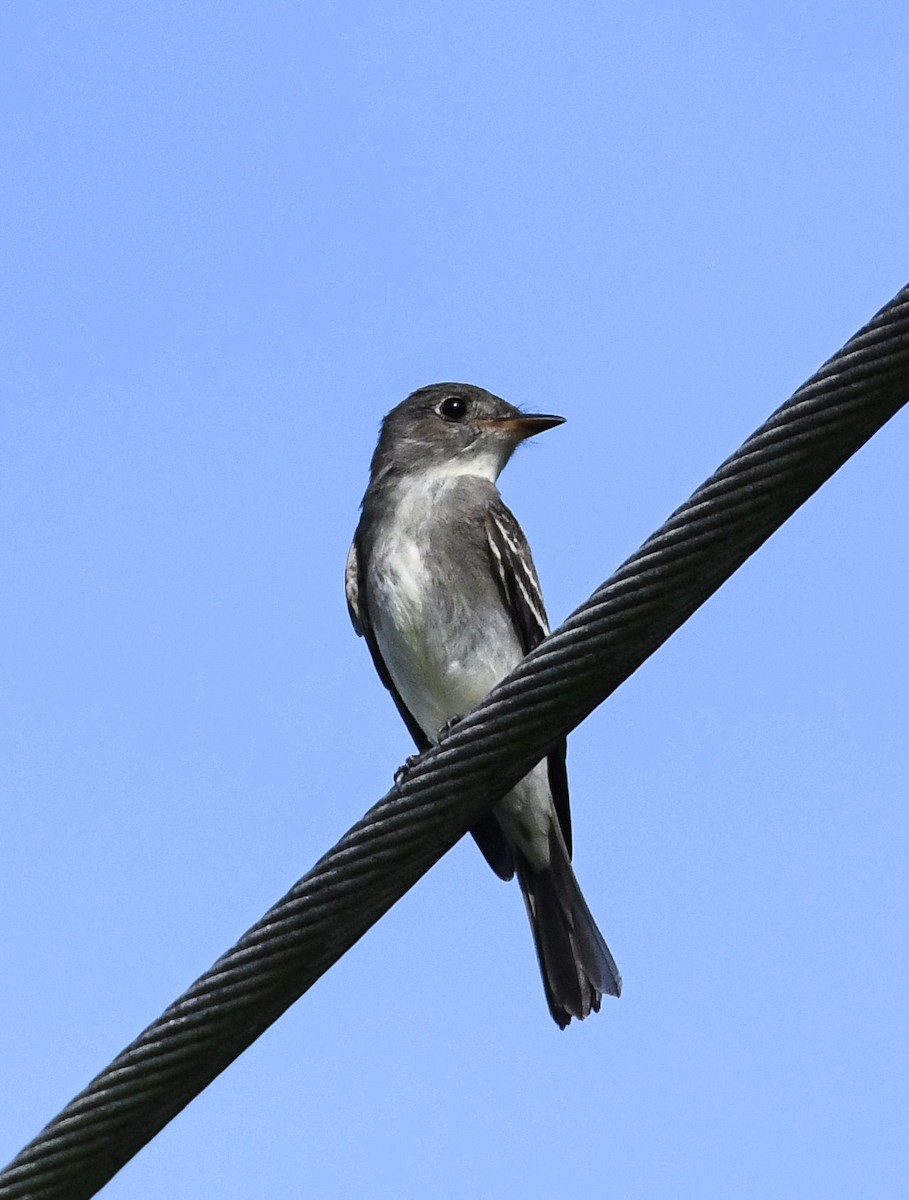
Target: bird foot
[(448, 727), (412, 759), (406, 767)]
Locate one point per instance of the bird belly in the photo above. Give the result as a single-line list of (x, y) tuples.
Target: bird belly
[(439, 668), (446, 645), (445, 648)]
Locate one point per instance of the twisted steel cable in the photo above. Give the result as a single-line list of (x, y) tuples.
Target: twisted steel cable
[(399, 839)]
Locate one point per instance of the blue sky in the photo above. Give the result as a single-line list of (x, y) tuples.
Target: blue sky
[(233, 237)]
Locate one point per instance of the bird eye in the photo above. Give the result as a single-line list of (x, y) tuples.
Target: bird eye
[(453, 408)]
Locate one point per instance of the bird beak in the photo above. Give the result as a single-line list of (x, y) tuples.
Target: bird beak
[(525, 425)]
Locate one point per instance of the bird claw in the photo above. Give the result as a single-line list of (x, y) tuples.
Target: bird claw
[(412, 759), (448, 728), (406, 767)]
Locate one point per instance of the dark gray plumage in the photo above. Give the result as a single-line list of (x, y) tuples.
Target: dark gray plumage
[(441, 583)]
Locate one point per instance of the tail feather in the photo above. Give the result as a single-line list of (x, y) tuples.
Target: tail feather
[(575, 962)]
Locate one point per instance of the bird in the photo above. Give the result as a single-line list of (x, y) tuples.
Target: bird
[(441, 584)]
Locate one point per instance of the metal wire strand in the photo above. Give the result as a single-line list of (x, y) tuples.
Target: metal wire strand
[(399, 839)]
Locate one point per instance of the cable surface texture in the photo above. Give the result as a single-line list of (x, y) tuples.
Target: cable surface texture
[(398, 840)]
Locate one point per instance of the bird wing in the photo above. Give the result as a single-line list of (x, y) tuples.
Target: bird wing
[(520, 588), (359, 617)]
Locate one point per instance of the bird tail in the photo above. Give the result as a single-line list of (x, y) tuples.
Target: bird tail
[(575, 962)]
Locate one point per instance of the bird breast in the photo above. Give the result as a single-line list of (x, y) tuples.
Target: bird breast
[(439, 622)]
